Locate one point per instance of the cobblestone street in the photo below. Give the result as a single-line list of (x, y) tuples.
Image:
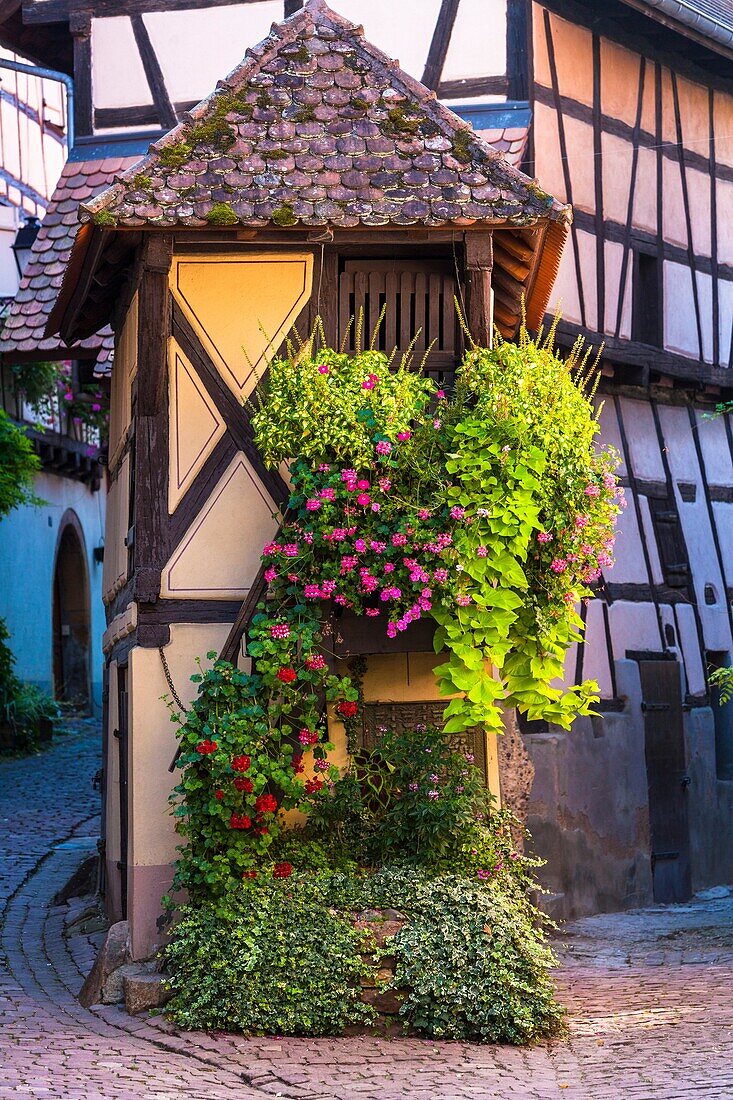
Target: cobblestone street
[(649, 995)]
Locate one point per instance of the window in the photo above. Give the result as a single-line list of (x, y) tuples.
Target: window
[(646, 314)]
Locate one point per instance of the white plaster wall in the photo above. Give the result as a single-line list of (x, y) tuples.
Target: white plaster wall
[(478, 42), (614, 261), (610, 434), (690, 646), (695, 522), (725, 224), (725, 319), (680, 326), (28, 539), (595, 658), (9, 222), (633, 626), (402, 30), (197, 48), (645, 195), (565, 291), (629, 557), (716, 455), (118, 77), (651, 543), (642, 440)]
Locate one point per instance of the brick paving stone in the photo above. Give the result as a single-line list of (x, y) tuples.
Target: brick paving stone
[(649, 997)]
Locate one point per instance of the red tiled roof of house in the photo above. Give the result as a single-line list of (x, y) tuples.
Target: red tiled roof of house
[(28, 314), (510, 142)]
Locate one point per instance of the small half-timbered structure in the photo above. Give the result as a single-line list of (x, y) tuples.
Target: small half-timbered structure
[(319, 179)]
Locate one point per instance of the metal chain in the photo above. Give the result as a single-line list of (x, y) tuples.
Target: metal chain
[(169, 680)]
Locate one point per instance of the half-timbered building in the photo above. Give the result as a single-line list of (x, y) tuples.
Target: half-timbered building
[(632, 109), (322, 180), (50, 575), (624, 109)]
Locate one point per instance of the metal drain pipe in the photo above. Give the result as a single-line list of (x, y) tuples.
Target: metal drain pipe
[(49, 74)]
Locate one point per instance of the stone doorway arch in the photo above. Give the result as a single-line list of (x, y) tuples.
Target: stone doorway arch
[(71, 615)]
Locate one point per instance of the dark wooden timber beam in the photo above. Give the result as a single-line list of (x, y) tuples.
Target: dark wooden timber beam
[(59, 11), (440, 43), (151, 424), (80, 25), (479, 262)]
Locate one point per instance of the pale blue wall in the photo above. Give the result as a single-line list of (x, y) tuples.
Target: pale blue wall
[(28, 541)]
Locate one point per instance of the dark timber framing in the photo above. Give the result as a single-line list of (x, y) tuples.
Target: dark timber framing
[(151, 420), (564, 158), (688, 218), (598, 177), (80, 25), (518, 15), (694, 428), (154, 75), (614, 20), (626, 454), (235, 416), (632, 195), (618, 128), (440, 43), (714, 228)]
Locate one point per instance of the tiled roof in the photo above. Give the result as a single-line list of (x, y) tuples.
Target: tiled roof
[(28, 314), (317, 126), (510, 142)]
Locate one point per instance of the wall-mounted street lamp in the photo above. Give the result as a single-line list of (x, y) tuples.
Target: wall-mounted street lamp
[(23, 243)]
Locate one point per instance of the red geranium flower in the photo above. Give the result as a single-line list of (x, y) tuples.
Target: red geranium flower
[(206, 747), (249, 874), (244, 785), (261, 830), (241, 763), (313, 785), (220, 795), (347, 709), (282, 870), (297, 762), (286, 675), (266, 804), (239, 821)]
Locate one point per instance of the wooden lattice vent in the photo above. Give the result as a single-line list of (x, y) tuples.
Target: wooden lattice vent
[(418, 300)]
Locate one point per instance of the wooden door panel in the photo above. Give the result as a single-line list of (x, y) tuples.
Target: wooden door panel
[(667, 779)]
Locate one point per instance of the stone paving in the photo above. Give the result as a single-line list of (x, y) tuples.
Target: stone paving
[(650, 996)]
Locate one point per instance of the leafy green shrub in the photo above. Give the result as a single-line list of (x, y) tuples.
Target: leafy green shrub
[(413, 798), (28, 708), (276, 959), (9, 682), (18, 466), (285, 958), (471, 958)]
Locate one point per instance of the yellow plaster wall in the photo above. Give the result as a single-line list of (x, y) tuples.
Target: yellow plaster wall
[(152, 745), (242, 306), (112, 777), (124, 369), (219, 554), (115, 567), (195, 425), (573, 56), (403, 678), (620, 81)]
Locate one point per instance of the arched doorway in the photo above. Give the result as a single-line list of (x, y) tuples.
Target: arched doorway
[(71, 616)]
